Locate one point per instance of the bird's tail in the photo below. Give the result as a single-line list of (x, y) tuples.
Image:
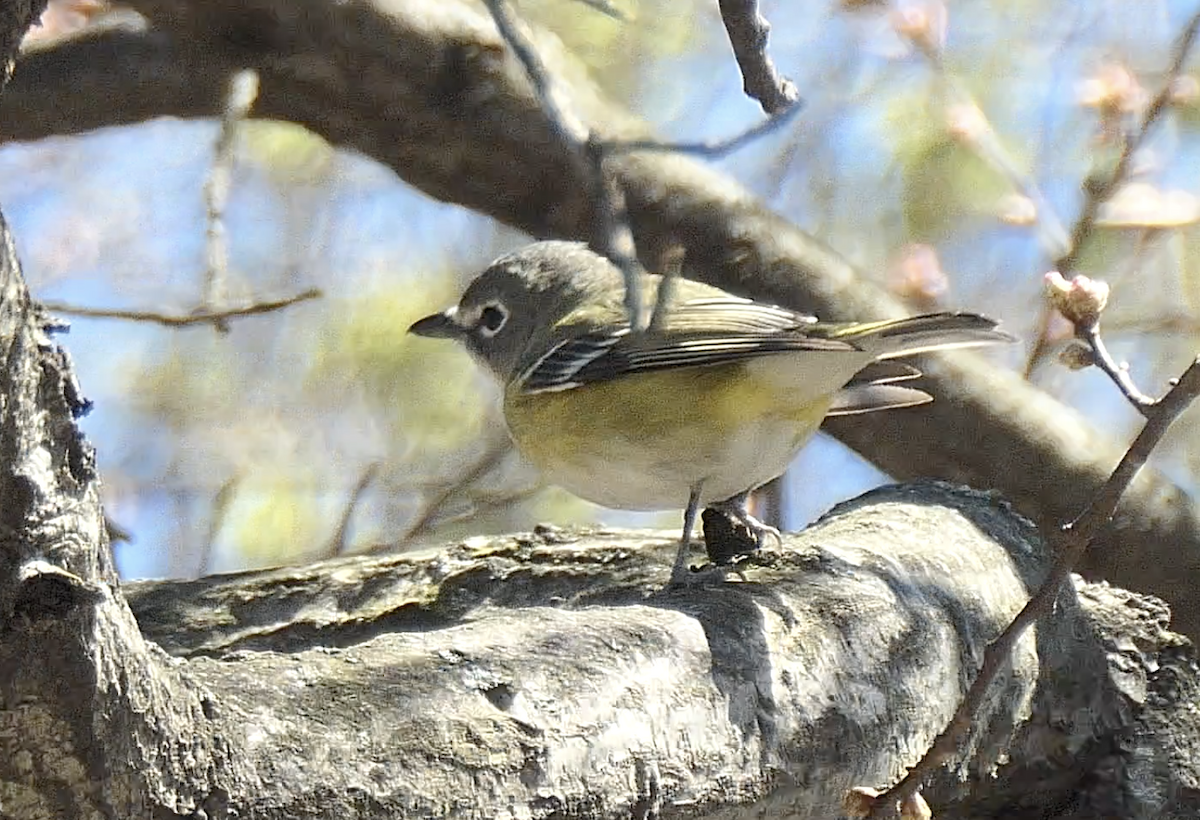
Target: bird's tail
[(893, 338)]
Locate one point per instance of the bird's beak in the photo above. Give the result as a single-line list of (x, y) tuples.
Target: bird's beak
[(438, 326)]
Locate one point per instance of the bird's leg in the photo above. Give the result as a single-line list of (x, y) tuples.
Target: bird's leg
[(736, 508), (679, 572)]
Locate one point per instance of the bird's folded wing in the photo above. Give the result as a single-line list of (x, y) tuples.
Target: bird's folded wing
[(732, 314), (699, 333)]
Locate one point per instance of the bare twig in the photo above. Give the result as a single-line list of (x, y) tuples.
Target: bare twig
[(710, 149), (198, 318), (615, 238), (672, 269), (1074, 541), (1150, 326), (216, 520), (243, 89), (1082, 301), (116, 533), (1098, 191), (1119, 373), (566, 126), (748, 31), (435, 508), (337, 542)]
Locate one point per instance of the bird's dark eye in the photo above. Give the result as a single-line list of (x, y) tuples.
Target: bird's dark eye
[(491, 319)]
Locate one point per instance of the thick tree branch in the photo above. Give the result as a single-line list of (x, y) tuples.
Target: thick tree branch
[(431, 92), (553, 679), (91, 716), (552, 669)]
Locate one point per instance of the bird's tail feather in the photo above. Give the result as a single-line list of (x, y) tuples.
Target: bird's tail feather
[(867, 398), (918, 334)]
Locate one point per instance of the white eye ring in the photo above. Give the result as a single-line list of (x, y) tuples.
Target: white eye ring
[(492, 319)]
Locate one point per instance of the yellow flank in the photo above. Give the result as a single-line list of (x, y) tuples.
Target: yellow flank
[(645, 438)]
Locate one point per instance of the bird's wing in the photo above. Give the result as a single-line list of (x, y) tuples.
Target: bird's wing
[(698, 333)]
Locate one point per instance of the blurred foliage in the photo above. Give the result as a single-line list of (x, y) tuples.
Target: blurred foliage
[(422, 389), (945, 183), (289, 153), (272, 518)]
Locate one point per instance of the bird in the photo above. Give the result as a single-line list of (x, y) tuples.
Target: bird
[(710, 402)]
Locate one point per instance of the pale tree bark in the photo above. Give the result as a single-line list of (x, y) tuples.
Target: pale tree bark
[(429, 91), (546, 676)]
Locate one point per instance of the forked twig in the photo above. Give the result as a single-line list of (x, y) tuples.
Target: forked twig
[(1099, 191), (1073, 542), (614, 239), (710, 149), (614, 236), (201, 317)]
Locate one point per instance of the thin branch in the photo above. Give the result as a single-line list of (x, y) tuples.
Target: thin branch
[(1156, 325), (748, 31), (607, 8), (221, 503), (201, 317), (1099, 191), (435, 508), (1082, 301), (337, 542), (1075, 539), (1119, 373), (562, 121), (243, 90), (614, 237), (672, 269), (711, 149)]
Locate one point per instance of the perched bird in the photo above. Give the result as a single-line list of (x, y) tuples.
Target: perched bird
[(709, 404)]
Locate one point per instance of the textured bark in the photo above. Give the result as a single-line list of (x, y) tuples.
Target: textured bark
[(91, 716), (545, 675), (429, 91)]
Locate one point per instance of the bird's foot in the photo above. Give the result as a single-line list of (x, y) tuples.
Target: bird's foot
[(759, 532)]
